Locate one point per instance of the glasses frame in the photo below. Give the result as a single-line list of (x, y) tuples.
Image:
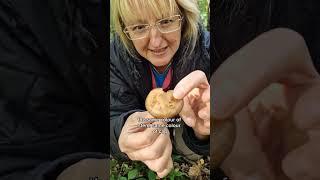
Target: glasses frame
[(149, 26)]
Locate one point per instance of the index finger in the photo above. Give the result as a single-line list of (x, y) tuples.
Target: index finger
[(196, 79)]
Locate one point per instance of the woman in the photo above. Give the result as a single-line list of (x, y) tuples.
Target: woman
[(157, 44)]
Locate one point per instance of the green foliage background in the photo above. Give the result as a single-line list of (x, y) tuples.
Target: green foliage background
[(204, 14)]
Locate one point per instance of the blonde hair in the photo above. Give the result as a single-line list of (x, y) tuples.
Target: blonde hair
[(127, 11)]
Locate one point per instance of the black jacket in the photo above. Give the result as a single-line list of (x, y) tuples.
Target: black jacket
[(130, 83), (51, 114)]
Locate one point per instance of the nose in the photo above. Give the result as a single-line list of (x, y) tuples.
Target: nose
[(155, 37)]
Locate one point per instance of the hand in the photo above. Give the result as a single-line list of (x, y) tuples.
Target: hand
[(144, 144), (194, 89), (279, 56)]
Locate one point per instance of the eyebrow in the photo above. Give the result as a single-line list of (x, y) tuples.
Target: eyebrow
[(138, 21), (144, 21)]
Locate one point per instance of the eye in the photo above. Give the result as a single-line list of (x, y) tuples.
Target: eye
[(138, 27), (166, 21)]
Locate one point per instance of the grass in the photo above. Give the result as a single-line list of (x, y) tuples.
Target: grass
[(183, 169)]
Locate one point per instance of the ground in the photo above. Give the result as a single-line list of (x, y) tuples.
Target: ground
[(183, 169)]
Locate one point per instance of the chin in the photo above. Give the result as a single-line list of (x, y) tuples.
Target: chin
[(162, 63)]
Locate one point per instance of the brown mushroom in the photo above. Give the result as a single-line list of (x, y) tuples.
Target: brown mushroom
[(162, 104)]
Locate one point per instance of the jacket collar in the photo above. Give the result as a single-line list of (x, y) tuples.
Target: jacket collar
[(38, 15)]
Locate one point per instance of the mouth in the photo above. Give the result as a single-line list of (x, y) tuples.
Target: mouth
[(159, 51)]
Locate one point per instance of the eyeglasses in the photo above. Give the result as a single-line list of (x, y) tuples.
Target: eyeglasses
[(166, 25)]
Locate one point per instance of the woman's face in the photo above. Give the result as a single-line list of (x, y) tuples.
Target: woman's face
[(158, 48)]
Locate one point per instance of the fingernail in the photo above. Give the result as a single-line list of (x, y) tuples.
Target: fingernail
[(178, 93), (189, 121)]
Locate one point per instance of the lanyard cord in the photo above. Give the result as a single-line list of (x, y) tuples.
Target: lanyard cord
[(164, 72)]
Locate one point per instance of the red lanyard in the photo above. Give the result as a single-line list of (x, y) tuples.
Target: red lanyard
[(166, 81)]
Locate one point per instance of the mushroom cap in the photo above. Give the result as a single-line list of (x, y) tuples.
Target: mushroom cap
[(162, 104)]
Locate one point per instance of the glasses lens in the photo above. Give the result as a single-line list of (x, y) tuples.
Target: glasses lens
[(169, 24), (165, 25), (137, 31)]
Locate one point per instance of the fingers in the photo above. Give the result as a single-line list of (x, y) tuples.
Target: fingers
[(187, 113), (196, 79), (306, 113), (136, 139), (304, 162), (195, 91), (167, 170), (246, 160), (197, 116), (202, 125), (161, 163), (205, 94), (154, 151), (146, 145), (204, 113), (134, 121), (141, 139), (202, 129), (276, 56), (201, 95)]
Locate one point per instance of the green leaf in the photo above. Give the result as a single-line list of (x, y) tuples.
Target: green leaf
[(140, 166), (113, 163), (172, 177), (133, 174), (151, 175), (178, 173), (176, 157), (181, 178), (112, 178), (122, 178), (125, 168)]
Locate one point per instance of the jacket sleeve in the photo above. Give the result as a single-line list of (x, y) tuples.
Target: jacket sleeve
[(123, 99)]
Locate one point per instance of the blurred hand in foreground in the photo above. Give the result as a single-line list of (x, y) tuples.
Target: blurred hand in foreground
[(271, 142)]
